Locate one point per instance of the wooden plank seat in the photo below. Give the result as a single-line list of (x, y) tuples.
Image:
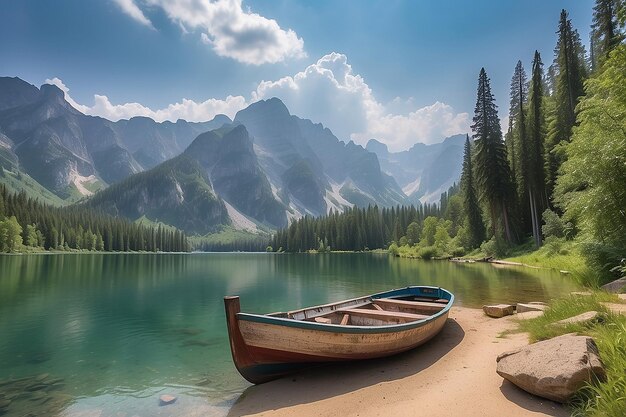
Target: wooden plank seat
[(414, 305), (383, 315), (431, 300)]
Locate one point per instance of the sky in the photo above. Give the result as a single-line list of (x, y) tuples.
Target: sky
[(399, 71)]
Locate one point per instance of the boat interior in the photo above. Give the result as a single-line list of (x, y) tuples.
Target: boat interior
[(368, 311)]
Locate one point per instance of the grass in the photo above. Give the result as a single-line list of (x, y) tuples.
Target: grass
[(607, 398)]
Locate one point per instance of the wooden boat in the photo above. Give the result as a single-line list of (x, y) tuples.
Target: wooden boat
[(266, 347)]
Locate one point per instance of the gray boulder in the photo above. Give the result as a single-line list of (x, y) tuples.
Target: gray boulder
[(554, 369), (615, 286)]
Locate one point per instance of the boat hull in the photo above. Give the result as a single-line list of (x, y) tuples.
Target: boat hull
[(266, 347)]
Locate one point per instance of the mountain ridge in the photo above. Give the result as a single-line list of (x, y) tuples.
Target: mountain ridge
[(261, 169)]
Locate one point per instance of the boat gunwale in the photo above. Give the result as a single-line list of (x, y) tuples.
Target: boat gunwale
[(338, 328)]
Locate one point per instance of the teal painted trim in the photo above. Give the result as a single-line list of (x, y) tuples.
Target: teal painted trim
[(336, 328)]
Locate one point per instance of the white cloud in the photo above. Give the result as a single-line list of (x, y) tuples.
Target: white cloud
[(232, 32), (189, 110), (327, 91), (330, 92), (131, 9)]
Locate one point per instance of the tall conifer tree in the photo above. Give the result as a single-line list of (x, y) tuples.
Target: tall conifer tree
[(536, 136), (605, 30), (570, 70), (475, 225), (493, 175)]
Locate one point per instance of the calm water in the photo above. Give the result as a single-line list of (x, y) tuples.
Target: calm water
[(115, 331)]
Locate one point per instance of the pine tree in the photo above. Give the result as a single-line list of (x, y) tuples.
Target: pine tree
[(570, 70), (517, 118), (535, 151), (605, 30), (493, 175), (475, 225)]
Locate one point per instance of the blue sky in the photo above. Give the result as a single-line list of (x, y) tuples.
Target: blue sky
[(400, 71)]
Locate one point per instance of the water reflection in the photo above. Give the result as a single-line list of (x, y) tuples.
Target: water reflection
[(132, 325)]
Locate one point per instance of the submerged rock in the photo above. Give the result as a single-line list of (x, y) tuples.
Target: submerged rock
[(554, 369), (499, 310), (166, 399)]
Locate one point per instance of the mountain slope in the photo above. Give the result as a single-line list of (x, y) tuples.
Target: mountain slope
[(42, 135), (298, 155), (423, 171), (198, 190)]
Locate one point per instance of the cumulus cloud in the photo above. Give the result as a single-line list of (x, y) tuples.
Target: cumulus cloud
[(132, 10), (232, 32), (330, 92), (186, 109)]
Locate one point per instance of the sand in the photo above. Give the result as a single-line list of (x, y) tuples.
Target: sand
[(452, 375)]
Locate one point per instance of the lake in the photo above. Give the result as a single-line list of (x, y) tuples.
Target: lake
[(109, 333)]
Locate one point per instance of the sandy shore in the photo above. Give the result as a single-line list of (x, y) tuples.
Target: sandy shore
[(453, 375)]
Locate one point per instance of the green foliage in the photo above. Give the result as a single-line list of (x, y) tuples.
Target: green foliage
[(592, 186), (442, 238), (427, 252), (393, 249), (553, 225), (495, 247), (540, 329), (413, 233), (607, 398), (10, 235), (429, 229)]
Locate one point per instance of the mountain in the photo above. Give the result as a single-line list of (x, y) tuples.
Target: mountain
[(256, 172), (310, 169), (217, 179), (70, 153), (423, 171)]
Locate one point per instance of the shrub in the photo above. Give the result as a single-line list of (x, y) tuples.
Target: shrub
[(427, 252), (553, 225), (496, 246), (393, 249), (458, 251), (553, 245)]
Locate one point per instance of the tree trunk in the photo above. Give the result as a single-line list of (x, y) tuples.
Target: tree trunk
[(507, 229)]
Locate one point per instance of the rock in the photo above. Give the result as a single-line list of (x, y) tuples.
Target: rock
[(522, 308), (166, 399), (615, 286), (499, 310), (537, 303), (621, 297), (529, 315), (616, 307), (584, 318), (554, 369)]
